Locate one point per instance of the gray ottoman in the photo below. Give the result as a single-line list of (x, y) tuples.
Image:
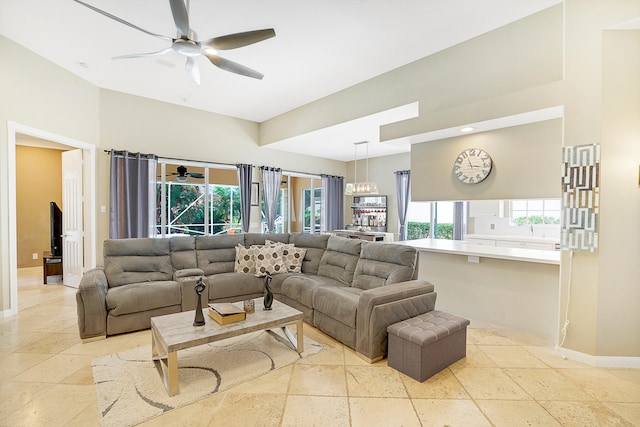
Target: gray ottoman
[(424, 345)]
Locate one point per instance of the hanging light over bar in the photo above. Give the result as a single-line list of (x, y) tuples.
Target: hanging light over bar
[(363, 187)]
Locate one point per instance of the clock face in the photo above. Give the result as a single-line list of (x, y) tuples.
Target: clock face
[(472, 166)]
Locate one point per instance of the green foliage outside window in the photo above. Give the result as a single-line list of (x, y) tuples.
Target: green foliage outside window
[(536, 219), (420, 230), (185, 208)]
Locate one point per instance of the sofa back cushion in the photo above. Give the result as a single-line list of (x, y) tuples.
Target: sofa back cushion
[(252, 239), (315, 244), (137, 260), (339, 259), (383, 264), (183, 252), (217, 254)]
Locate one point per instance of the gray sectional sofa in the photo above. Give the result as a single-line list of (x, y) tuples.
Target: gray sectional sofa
[(350, 289)]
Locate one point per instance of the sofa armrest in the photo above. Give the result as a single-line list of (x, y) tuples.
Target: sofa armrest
[(386, 305), (187, 279), (91, 304)]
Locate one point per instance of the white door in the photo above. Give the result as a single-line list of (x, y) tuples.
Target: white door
[(72, 225)]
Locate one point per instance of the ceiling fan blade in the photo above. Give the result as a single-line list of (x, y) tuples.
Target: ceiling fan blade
[(180, 16), (196, 175), (233, 41), (192, 69), (122, 21), (142, 55), (233, 67)]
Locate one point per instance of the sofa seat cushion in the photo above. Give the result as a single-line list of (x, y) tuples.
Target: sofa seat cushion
[(229, 285), (338, 303), (277, 280), (301, 288), (137, 297)]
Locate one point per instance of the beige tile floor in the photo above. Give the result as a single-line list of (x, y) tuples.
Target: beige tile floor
[(508, 378)]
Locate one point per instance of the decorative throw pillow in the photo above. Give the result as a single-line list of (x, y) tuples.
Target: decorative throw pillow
[(245, 262), (268, 258), (293, 258), (291, 255)]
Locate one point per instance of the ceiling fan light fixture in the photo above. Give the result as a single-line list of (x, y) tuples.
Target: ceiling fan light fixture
[(187, 44), (182, 178), (363, 187)]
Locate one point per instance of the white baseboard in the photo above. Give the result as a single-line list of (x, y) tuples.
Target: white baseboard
[(7, 313), (600, 361)]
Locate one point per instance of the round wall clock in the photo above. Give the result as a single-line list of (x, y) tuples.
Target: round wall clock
[(472, 166)]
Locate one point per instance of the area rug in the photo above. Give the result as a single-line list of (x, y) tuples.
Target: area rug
[(130, 389)]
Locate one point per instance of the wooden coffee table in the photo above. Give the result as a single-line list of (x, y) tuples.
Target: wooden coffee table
[(175, 332)]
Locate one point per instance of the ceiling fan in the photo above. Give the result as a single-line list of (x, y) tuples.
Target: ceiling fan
[(186, 43), (182, 175)]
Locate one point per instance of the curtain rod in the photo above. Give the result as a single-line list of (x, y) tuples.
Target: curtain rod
[(284, 171), (172, 159)]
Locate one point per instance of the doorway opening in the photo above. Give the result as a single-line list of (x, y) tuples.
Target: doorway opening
[(15, 132)]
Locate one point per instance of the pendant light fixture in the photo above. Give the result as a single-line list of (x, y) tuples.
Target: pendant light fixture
[(364, 187)]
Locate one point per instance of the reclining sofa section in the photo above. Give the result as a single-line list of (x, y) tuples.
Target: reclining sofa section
[(350, 289)]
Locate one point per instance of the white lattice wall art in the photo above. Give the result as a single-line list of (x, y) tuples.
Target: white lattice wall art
[(580, 197)]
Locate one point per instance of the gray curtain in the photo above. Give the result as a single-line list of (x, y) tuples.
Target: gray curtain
[(458, 220), (332, 203), (271, 180), (245, 175), (132, 195), (403, 185)]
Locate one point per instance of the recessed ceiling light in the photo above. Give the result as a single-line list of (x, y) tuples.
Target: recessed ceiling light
[(467, 129)]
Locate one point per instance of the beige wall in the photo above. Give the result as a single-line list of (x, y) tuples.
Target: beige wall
[(34, 190), (496, 71), (171, 131), (525, 164), (297, 185), (602, 101), (619, 286), (38, 94)]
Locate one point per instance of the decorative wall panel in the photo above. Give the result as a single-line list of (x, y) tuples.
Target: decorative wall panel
[(580, 197)]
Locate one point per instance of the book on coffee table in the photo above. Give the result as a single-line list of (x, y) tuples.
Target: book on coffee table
[(226, 312)]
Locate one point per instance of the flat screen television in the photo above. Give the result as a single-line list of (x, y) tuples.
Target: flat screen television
[(55, 226)]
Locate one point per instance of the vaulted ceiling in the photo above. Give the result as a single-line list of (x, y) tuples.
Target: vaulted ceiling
[(320, 47)]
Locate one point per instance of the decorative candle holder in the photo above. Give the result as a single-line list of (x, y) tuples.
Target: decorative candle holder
[(249, 306)]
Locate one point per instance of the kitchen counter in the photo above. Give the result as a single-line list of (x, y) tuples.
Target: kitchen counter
[(365, 235), (458, 247), (508, 286)]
